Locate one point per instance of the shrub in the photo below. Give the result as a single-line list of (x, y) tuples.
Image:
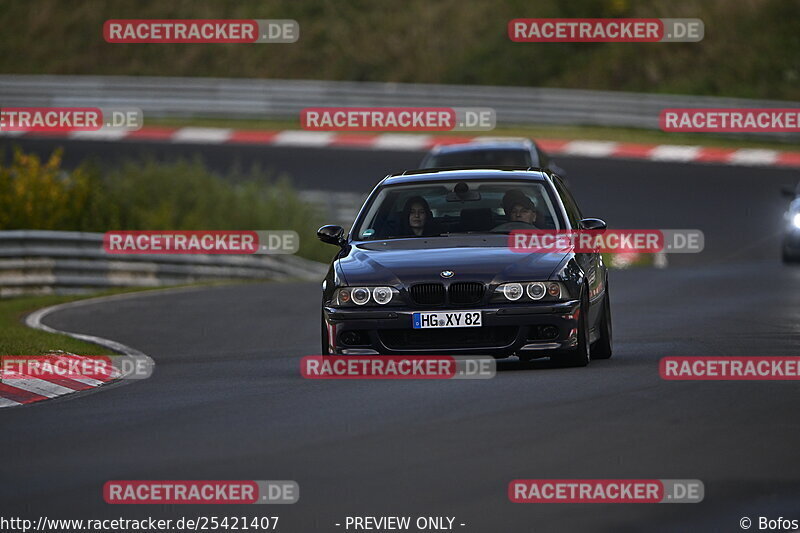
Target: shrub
[(182, 195)]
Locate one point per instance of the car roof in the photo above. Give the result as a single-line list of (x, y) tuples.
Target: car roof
[(485, 144), (433, 174)]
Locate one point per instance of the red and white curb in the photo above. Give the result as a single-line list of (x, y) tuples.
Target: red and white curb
[(22, 390), (19, 389), (419, 142)]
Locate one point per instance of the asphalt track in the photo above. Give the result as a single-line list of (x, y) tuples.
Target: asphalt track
[(227, 400)]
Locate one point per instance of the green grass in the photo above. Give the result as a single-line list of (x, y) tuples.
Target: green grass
[(630, 135), (19, 339), (148, 195)]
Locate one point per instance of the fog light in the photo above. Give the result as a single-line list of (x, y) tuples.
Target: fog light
[(796, 220), (549, 332), (352, 338)]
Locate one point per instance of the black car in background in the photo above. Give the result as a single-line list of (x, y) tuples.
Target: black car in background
[(491, 153), (427, 270)]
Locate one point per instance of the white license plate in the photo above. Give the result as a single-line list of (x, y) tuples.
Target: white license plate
[(447, 319)]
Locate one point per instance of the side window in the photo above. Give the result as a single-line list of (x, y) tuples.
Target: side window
[(573, 213)]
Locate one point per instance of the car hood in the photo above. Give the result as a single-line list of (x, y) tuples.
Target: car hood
[(409, 261)]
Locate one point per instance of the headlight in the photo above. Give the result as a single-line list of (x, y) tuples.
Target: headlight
[(348, 296), (530, 291), (382, 295), (360, 295), (512, 291), (536, 290), (796, 220)]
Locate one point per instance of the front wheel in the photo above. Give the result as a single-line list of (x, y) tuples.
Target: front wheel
[(602, 347), (579, 356), (326, 349)]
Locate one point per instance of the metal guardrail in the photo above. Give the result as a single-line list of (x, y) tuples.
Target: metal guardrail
[(42, 262), (282, 99), (337, 207)]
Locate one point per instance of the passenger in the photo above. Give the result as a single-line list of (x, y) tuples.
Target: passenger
[(519, 208)]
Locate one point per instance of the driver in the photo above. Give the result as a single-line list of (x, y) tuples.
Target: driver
[(417, 218), (518, 207)]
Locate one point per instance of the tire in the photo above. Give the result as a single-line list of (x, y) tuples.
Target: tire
[(580, 355), (602, 347), (326, 349)]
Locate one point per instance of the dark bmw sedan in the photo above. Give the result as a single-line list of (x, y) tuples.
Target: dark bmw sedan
[(491, 152), (427, 270)]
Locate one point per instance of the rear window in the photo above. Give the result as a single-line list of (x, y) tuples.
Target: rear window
[(512, 157)]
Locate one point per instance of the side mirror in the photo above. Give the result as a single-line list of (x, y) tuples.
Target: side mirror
[(788, 192), (331, 234), (593, 223)]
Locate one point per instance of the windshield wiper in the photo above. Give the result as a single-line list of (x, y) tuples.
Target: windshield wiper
[(472, 233)]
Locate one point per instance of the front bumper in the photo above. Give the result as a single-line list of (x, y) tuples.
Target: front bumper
[(528, 330)]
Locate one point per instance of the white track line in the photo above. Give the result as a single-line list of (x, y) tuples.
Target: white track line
[(303, 138), (202, 135), (99, 135), (402, 141), (754, 157), (669, 152), (88, 381), (589, 148), (34, 320)]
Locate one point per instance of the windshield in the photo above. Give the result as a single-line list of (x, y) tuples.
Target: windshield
[(511, 157), (458, 207)]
